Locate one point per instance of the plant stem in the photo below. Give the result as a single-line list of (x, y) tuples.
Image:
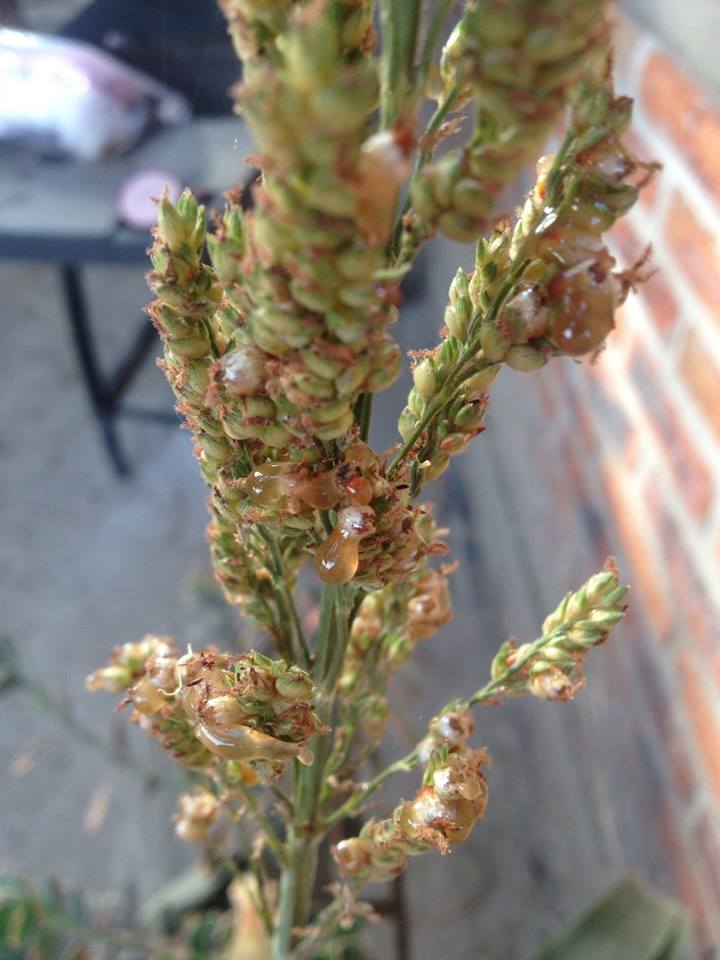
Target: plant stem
[(442, 8), (493, 686), (400, 21), (297, 878), (354, 802), (273, 841), (442, 110), (363, 413)]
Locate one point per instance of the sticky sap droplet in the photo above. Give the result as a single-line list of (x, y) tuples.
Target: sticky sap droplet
[(585, 316), (242, 743), (147, 698), (470, 789), (320, 492), (266, 484), (337, 558), (306, 756), (358, 491)]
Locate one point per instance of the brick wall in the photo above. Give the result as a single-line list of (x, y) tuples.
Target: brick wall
[(632, 455)]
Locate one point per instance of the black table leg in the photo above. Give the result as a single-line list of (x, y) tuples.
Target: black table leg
[(102, 403)]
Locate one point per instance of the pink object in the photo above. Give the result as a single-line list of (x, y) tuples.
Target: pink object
[(136, 197)]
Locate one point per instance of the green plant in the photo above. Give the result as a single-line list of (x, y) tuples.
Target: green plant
[(274, 349)]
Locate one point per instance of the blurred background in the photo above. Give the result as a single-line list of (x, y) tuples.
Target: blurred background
[(103, 507)]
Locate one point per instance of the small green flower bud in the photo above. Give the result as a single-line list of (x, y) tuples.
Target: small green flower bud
[(171, 227), (319, 364), (454, 443), (481, 381), (358, 263), (352, 377), (458, 226), (359, 296), (525, 359), (469, 196), (460, 287), (311, 55), (470, 416), (214, 447), (493, 343), (190, 348), (407, 423), (336, 428), (295, 685), (425, 379), (422, 197), (347, 325), (312, 297), (387, 362), (331, 411), (314, 387), (448, 171), (416, 403)]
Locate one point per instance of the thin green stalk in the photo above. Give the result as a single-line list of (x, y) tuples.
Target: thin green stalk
[(470, 350), (363, 414), (297, 878), (292, 652), (324, 924), (441, 112), (325, 630), (442, 8), (400, 20), (356, 801), (269, 832), (412, 759), (436, 405), (283, 934), (341, 638), (263, 907), (493, 686)]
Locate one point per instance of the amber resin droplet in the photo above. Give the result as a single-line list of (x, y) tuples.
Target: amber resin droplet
[(148, 698), (266, 484), (242, 743), (337, 558), (321, 492), (584, 316), (358, 490)]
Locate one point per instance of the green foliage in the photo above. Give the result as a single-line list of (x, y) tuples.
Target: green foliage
[(631, 922)]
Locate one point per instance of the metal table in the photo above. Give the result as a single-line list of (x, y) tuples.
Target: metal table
[(65, 214)]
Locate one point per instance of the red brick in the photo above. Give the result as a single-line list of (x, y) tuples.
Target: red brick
[(638, 550), (706, 836), (542, 382), (626, 241), (696, 252), (701, 373), (691, 475), (677, 106), (692, 898), (632, 453), (686, 878), (660, 301), (575, 473), (703, 719), (682, 769), (696, 614)]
